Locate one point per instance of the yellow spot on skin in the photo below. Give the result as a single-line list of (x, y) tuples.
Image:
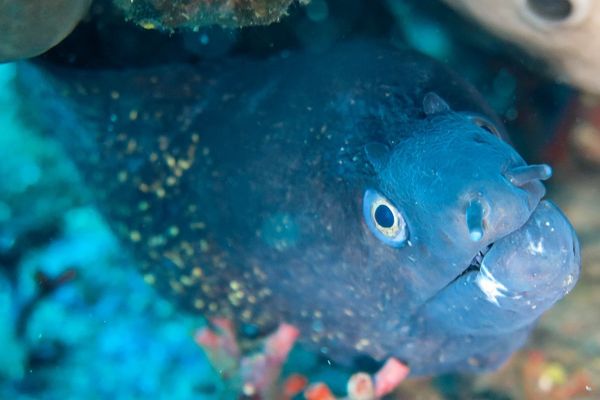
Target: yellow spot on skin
[(176, 286), (362, 344), (204, 246), (234, 285), (213, 307), (187, 248), (197, 272), (135, 236), (170, 160), (156, 241), (149, 279), (131, 146), (238, 295), (160, 192), (153, 157), (173, 231), (163, 143), (317, 314), (122, 176), (184, 164), (197, 225), (114, 95), (133, 115), (195, 138), (175, 259), (247, 315), (187, 281), (144, 188), (199, 304), (149, 25), (171, 181), (234, 300)]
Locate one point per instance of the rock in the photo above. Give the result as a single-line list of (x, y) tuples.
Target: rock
[(30, 27)]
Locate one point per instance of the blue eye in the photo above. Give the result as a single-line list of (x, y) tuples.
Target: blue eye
[(383, 219)]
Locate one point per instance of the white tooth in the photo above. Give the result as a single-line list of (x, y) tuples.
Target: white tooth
[(491, 288)]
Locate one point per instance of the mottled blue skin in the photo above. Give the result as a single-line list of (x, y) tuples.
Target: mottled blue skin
[(270, 207)]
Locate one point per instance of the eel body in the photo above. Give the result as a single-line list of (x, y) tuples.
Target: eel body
[(365, 196)]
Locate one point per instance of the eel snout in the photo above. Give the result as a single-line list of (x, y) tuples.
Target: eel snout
[(537, 265), (516, 278)]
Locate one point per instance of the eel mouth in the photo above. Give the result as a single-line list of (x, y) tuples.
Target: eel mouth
[(543, 253), (475, 264)]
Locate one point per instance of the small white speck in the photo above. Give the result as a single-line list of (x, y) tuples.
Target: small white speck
[(536, 248)]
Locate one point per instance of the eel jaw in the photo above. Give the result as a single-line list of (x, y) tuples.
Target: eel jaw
[(540, 259), (475, 264)]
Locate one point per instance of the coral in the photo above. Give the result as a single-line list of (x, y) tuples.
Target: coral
[(30, 27), (105, 334), (257, 374), (169, 14)]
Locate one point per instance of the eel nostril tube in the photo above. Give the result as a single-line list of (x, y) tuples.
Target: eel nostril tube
[(522, 175), (474, 216)]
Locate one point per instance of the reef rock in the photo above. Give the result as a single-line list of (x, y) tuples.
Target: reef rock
[(168, 15), (30, 27)]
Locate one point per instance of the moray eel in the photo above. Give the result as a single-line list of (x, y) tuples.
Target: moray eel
[(367, 196)]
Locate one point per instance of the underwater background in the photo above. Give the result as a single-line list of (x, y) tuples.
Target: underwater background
[(77, 319)]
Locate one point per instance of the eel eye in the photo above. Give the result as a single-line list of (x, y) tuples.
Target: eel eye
[(383, 219), (484, 124)]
